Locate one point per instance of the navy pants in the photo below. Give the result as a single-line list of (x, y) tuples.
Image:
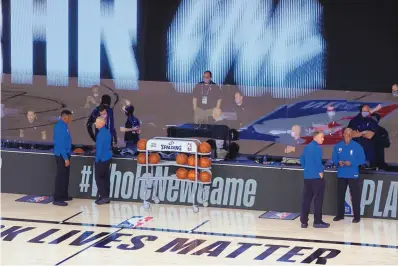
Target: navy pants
[(103, 179), (314, 189), (61, 180), (369, 149), (355, 191)]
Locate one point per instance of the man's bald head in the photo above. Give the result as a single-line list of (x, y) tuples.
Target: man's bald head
[(100, 122), (347, 134)]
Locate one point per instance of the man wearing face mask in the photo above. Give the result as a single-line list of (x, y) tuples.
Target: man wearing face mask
[(364, 128), (104, 110), (93, 100), (395, 90), (239, 109), (206, 98)]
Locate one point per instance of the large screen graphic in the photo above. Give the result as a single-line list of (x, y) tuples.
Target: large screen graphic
[(268, 46)]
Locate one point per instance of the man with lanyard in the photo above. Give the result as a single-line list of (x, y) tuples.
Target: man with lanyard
[(104, 110), (364, 127), (103, 158), (206, 98), (314, 184), (348, 155), (62, 152)]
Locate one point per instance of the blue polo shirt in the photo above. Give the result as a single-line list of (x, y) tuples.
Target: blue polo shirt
[(352, 152), (103, 145), (62, 140), (311, 161)]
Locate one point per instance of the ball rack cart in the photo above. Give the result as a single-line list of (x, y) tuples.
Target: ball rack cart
[(163, 144)]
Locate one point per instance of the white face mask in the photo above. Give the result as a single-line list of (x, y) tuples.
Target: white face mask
[(95, 94), (395, 93), (104, 115), (331, 114)]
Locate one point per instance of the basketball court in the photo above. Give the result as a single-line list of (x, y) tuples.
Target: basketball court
[(125, 233)]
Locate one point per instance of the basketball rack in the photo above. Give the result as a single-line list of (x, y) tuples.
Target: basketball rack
[(163, 144)]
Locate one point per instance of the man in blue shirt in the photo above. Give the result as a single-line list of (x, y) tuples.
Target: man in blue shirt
[(348, 155), (363, 130), (314, 184), (104, 110), (103, 157), (62, 152)]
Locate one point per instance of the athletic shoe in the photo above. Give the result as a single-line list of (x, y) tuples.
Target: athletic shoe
[(322, 225), (60, 203), (355, 221), (102, 201), (304, 225), (338, 218)]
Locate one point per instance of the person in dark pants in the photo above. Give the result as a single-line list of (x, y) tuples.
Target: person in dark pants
[(364, 128), (131, 130), (62, 152), (104, 110), (314, 184), (348, 155), (103, 157)]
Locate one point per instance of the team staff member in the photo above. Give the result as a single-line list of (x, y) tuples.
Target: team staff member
[(314, 184), (103, 157), (104, 110), (206, 98), (62, 152), (348, 155), (364, 127)]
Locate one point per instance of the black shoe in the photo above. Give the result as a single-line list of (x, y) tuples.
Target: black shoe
[(304, 225), (322, 225), (355, 221), (102, 201), (60, 203), (338, 218), (67, 199)]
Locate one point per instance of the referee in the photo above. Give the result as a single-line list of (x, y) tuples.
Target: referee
[(62, 152), (348, 155), (103, 157), (314, 184)]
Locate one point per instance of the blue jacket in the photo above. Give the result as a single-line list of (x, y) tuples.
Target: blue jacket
[(311, 160), (353, 152), (62, 140), (110, 123), (103, 146)]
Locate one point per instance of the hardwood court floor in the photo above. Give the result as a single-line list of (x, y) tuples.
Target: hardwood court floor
[(86, 234)]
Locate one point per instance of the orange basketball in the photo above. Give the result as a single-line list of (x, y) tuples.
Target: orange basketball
[(78, 151), (204, 147), (191, 175), (181, 159), (205, 162), (141, 158), (191, 160), (205, 176), (141, 145), (154, 158), (182, 173)]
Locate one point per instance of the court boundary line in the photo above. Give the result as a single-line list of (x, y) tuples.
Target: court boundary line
[(70, 217), (344, 243), (84, 249), (193, 229)]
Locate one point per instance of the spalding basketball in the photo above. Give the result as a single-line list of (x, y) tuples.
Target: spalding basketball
[(141, 158), (204, 147), (191, 175), (154, 158), (181, 159), (182, 173), (204, 162), (191, 160), (141, 145), (78, 151), (205, 176)]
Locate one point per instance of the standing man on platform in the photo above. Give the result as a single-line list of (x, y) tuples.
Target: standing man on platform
[(62, 152), (314, 184), (103, 157), (104, 110), (206, 98), (348, 155)]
